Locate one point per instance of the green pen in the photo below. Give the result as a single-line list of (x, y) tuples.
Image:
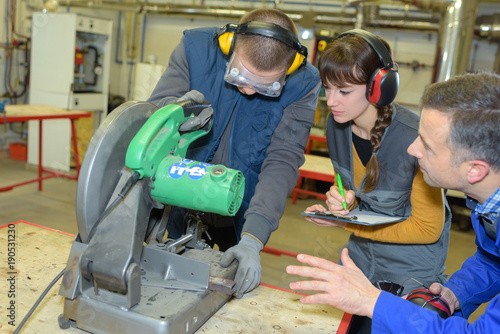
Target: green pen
[(341, 189)]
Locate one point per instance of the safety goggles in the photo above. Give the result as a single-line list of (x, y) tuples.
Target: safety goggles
[(236, 74)]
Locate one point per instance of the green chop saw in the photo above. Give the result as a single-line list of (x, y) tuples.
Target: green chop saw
[(122, 276)]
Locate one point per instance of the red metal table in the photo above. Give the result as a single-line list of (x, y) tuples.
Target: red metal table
[(25, 112)]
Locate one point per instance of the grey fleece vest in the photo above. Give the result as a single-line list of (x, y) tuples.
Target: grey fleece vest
[(391, 196)]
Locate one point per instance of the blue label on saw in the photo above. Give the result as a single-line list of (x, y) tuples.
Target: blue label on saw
[(178, 169), (196, 172)]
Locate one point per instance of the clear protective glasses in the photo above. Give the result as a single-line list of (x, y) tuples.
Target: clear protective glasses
[(238, 75)]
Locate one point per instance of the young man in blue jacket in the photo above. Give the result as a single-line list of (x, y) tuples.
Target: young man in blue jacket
[(457, 148), (264, 94)]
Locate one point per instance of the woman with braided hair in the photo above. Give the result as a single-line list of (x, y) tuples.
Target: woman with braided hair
[(368, 135)]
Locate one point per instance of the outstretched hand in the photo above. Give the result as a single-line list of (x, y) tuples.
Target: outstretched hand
[(342, 286)]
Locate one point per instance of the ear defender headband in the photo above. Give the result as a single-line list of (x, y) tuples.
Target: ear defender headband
[(383, 85), (225, 36)]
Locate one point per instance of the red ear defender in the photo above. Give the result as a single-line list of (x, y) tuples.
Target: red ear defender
[(424, 298), (382, 87)]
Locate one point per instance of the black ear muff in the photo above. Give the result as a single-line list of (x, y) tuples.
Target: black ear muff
[(225, 37), (383, 85)]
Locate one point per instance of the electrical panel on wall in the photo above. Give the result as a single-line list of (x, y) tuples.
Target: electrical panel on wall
[(88, 63), (70, 68), (70, 58)]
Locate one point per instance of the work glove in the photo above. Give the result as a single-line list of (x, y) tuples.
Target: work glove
[(191, 95), (246, 252), (197, 122)]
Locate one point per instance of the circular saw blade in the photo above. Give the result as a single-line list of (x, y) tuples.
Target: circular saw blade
[(104, 160)]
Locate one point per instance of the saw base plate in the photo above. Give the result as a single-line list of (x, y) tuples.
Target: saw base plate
[(160, 310)]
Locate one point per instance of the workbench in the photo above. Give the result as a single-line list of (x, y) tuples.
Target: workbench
[(24, 113), (39, 254)]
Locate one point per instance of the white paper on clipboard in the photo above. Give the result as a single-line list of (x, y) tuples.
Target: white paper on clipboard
[(362, 217)]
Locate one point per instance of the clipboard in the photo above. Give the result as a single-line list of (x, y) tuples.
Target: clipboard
[(357, 217)]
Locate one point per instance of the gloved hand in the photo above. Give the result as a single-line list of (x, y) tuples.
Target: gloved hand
[(246, 252), (191, 95), (197, 122)]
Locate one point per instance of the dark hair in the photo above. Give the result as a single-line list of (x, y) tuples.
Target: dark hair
[(472, 101), (266, 53), (351, 60)]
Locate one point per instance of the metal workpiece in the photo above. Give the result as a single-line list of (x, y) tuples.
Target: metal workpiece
[(223, 285)]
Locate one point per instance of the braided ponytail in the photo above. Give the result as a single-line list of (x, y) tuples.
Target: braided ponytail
[(384, 118)]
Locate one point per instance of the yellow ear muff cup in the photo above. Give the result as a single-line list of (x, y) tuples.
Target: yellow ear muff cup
[(321, 45), (299, 59), (225, 41)]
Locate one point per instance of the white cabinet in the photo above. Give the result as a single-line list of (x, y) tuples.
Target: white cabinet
[(70, 61)]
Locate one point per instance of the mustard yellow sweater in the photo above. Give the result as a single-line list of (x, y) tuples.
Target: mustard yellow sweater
[(423, 226)]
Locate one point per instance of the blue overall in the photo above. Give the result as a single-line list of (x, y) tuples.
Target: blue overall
[(477, 282)]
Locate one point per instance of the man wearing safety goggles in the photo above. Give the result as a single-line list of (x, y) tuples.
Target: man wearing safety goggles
[(261, 126), (251, 82)]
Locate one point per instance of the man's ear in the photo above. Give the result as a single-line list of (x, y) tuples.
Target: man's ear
[(477, 171)]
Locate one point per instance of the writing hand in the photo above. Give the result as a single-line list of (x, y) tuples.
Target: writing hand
[(334, 200)]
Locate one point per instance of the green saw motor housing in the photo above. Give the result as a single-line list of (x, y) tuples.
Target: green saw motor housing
[(158, 152)]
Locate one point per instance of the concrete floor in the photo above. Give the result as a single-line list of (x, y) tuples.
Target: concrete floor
[(54, 207)]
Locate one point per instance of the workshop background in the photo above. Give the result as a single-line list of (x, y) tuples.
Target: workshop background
[(94, 55)]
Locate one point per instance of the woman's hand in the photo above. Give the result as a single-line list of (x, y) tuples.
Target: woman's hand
[(334, 200), (322, 221)]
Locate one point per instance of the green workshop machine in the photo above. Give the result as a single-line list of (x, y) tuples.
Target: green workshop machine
[(123, 275)]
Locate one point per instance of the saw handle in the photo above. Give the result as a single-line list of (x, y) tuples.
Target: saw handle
[(160, 137), (191, 107)]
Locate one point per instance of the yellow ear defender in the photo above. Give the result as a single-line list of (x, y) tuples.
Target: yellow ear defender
[(225, 36), (226, 42), (297, 63)]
